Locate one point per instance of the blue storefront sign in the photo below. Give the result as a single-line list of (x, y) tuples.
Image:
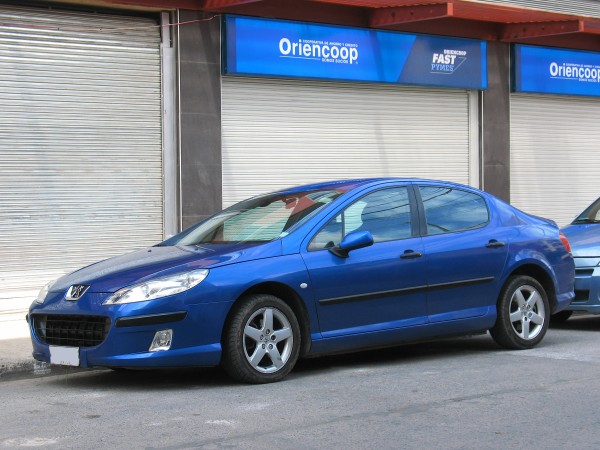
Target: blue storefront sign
[(262, 47), (555, 71)]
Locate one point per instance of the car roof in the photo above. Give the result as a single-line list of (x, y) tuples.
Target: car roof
[(348, 185)]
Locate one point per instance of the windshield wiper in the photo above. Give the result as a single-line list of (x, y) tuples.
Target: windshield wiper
[(585, 220)]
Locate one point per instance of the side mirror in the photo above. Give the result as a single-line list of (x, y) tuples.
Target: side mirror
[(353, 241)]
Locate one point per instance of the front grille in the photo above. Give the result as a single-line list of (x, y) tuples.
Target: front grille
[(71, 331)]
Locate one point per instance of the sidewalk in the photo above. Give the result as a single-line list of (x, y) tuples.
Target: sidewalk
[(15, 357), (16, 361)]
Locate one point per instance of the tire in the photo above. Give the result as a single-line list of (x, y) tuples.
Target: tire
[(561, 317), (261, 343), (523, 314)]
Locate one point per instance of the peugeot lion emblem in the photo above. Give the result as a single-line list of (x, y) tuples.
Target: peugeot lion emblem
[(76, 291)]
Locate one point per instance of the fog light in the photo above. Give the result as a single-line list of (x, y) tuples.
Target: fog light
[(162, 340)]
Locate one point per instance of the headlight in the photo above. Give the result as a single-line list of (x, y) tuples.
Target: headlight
[(158, 288), (44, 292)]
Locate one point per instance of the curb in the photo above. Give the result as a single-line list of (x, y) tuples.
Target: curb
[(35, 369), (15, 369)]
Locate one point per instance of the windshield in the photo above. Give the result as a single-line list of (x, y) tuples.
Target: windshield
[(259, 219), (590, 215)]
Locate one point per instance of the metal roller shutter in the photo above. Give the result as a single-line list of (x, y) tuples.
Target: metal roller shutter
[(554, 154), (279, 133), (579, 7), (80, 143)]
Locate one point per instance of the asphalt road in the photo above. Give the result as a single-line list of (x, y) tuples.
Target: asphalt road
[(457, 393)]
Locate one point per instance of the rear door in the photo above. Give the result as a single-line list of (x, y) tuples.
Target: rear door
[(465, 252)]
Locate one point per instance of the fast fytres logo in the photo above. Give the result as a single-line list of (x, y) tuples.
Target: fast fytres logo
[(448, 61)]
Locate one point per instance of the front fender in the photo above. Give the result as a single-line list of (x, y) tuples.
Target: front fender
[(228, 283)]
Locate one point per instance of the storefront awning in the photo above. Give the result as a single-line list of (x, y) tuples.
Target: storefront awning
[(464, 18)]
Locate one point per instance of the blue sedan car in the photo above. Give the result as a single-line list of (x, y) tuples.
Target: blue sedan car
[(317, 269), (584, 235)]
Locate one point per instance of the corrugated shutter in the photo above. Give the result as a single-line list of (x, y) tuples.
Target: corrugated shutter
[(80, 142), (280, 133), (554, 154), (578, 7)]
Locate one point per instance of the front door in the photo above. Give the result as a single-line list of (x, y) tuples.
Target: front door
[(376, 288)]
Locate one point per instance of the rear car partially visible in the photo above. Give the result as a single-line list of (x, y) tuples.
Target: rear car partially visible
[(584, 236)]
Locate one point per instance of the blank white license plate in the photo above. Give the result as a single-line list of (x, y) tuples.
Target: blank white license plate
[(65, 356)]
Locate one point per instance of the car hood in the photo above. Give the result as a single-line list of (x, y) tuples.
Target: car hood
[(115, 273), (584, 239)]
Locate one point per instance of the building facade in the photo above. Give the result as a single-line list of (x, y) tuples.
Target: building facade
[(124, 121)]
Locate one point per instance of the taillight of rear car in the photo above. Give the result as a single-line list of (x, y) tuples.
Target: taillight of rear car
[(565, 242)]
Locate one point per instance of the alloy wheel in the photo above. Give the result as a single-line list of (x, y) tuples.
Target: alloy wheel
[(268, 340), (527, 312)]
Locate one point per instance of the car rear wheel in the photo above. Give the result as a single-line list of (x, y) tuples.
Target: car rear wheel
[(523, 313), (262, 341)]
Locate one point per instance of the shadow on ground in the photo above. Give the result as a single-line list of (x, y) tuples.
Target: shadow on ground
[(579, 323), (209, 378)]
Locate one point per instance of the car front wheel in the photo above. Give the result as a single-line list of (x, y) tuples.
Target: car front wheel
[(262, 341), (523, 313)]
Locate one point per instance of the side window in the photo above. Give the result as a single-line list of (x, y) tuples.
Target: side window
[(448, 210), (385, 214)]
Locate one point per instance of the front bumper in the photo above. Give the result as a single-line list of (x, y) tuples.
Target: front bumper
[(587, 286), (130, 330)]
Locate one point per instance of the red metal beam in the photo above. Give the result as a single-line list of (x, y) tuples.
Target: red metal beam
[(581, 34), (518, 31), (465, 18), (154, 4), (218, 4), (591, 26), (301, 10), (463, 9), (383, 17), (486, 12), (382, 3), (452, 27)]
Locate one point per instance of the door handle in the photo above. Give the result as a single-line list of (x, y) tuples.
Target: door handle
[(494, 244), (409, 254)]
